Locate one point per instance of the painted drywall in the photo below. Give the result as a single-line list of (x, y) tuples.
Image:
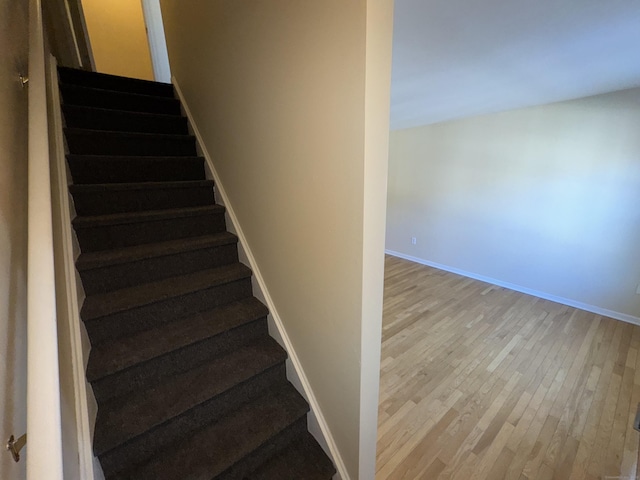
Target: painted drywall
[(13, 230), (546, 198), (279, 92), (118, 37), (377, 104)]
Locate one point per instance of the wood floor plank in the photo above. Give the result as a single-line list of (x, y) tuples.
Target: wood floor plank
[(481, 382)]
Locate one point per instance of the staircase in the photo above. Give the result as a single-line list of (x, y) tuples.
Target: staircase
[(189, 383)]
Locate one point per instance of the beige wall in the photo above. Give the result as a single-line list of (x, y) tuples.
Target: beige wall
[(13, 229), (118, 37), (377, 88), (545, 198), (277, 89)]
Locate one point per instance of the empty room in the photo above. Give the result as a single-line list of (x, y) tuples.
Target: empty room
[(511, 322)]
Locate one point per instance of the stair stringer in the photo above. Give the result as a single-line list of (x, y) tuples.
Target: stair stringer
[(70, 293), (316, 422)]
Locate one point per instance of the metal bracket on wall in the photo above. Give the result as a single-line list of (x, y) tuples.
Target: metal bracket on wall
[(14, 446), (24, 80)]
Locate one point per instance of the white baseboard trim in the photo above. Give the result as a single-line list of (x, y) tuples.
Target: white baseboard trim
[(296, 374), (518, 288)]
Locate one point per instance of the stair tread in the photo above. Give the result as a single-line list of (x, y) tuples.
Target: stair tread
[(98, 90), (96, 306), (129, 113), (66, 71), (131, 415), (109, 358), (303, 459), (139, 135), (220, 445), (102, 258), (147, 215), (114, 118), (131, 158), (108, 187)]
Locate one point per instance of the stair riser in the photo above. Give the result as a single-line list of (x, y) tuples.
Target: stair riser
[(119, 101), (119, 121), (100, 280), (125, 235), (130, 200), (263, 453), (140, 449), (108, 82), (148, 373), (150, 316), (107, 170), (98, 143)]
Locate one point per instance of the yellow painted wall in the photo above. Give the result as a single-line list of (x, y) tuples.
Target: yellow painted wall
[(292, 101), (13, 230), (546, 198), (118, 37)]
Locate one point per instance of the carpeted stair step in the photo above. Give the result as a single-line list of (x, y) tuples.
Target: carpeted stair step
[(137, 451), (137, 361), (108, 270), (131, 102), (128, 416), (100, 142), (188, 382), (103, 232), (265, 452), (123, 121), (124, 312), (301, 459), (106, 81), (245, 435), (107, 198), (122, 169)]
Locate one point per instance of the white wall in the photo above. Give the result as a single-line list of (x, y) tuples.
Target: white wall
[(545, 198), (118, 37), (280, 92), (13, 230)]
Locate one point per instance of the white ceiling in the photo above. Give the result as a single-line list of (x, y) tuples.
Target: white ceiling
[(457, 58)]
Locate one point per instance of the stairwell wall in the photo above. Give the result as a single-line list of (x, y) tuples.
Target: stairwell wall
[(543, 200), (13, 230), (279, 92)]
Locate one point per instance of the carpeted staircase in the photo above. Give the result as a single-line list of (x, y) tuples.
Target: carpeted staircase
[(188, 381)]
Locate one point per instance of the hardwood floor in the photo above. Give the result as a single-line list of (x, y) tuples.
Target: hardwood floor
[(480, 382)]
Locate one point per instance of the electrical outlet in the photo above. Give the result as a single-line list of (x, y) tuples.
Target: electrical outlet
[(414, 241)]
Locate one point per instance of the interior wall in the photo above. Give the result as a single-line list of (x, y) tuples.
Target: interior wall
[(277, 89), (13, 229), (377, 103), (544, 198), (118, 37)]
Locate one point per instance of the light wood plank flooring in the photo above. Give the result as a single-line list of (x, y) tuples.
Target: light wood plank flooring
[(481, 382)]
